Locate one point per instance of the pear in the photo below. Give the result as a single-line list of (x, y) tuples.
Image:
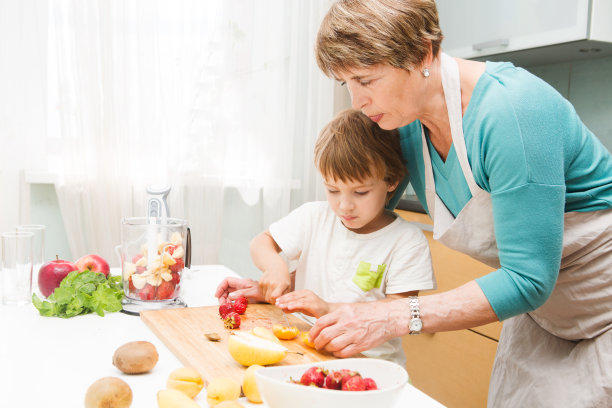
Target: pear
[(248, 349), (222, 389), (264, 333), (171, 398), (249, 385)]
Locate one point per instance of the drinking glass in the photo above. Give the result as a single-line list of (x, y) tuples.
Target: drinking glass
[(38, 249), (17, 252)]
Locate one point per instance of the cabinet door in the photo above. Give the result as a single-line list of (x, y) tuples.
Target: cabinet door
[(476, 28)]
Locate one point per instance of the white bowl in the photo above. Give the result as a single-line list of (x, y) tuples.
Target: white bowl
[(277, 390)]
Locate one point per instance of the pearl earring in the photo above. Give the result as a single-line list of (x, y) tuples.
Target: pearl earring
[(426, 72)]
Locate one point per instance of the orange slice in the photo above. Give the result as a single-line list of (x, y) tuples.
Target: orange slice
[(306, 339), (285, 332)]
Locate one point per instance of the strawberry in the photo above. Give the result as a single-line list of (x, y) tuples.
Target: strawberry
[(313, 376), (178, 266), (370, 384), (232, 320), (176, 278), (170, 248), (225, 309), (132, 288), (165, 290), (136, 257), (242, 299), (354, 383), (147, 293), (240, 308), (346, 374), (333, 380), (140, 269)]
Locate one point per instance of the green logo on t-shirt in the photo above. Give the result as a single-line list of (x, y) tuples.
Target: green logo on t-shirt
[(367, 276)]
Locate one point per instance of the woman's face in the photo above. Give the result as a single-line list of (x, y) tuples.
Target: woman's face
[(390, 96)]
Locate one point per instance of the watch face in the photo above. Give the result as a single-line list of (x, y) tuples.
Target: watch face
[(416, 325)]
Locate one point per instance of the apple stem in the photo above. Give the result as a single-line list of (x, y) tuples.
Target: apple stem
[(56, 257)]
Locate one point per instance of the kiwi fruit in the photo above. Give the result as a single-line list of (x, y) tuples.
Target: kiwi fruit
[(108, 392), (135, 357)]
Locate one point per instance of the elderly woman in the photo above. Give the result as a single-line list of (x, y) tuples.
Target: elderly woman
[(510, 176)]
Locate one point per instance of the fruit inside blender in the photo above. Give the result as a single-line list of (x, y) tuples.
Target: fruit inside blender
[(154, 273)]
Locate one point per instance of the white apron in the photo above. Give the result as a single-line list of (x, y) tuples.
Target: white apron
[(559, 355)]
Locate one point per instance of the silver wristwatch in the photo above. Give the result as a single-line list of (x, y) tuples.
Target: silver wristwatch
[(416, 324)]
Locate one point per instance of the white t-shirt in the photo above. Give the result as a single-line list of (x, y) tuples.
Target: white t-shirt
[(342, 266)]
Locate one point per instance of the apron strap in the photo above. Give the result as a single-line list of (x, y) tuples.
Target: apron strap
[(452, 94)]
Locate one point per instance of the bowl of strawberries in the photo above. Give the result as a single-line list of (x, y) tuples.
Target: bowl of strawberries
[(354, 382)]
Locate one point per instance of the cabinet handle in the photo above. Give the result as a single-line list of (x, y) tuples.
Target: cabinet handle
[(502, 42)]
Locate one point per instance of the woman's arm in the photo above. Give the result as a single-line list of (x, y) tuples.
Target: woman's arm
[(353, 328)]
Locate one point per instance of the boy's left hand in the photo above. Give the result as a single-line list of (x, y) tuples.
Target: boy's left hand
[(303, 301)]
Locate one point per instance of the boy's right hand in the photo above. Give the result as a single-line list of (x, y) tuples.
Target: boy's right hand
[(273, 285), (232, 288)]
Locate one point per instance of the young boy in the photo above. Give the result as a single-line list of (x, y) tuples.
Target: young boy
[(349, 248)]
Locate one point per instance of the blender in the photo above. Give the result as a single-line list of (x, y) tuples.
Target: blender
[(154, 252)]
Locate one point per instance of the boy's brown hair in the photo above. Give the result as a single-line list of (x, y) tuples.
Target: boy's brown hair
[(352, 148)]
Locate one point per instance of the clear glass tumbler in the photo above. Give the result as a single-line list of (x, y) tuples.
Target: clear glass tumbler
[(17, 254), (38, 257)]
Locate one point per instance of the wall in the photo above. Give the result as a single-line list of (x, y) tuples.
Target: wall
[(588, 86)]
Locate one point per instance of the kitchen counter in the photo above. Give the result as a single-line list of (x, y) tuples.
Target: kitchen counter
[(48, 362)]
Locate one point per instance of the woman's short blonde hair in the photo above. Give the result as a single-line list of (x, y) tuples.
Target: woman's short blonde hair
[(363, 33), (353, 148)]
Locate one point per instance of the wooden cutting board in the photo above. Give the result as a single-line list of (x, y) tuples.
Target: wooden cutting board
[(183, 332)]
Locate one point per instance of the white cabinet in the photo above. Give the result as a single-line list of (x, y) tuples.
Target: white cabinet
[(527, 31)]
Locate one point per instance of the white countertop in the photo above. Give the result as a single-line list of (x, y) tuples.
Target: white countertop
[(49, 362)]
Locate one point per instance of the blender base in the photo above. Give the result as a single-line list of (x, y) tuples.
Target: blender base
[(134, 307)]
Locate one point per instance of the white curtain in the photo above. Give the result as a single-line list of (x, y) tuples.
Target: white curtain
[(204, 95), (23, 33)]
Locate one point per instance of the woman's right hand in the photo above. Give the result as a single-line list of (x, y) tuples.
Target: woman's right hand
[(274, 284), (232, 288)]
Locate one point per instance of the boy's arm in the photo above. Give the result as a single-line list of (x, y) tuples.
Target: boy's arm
[(265, 254)]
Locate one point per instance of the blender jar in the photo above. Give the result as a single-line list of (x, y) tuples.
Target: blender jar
[(154, 253)]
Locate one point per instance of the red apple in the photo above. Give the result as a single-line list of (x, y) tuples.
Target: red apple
[(51, 274), (93, 263)]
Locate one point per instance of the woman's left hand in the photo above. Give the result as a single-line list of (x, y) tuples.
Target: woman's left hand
[(353, 328), (303, 301)]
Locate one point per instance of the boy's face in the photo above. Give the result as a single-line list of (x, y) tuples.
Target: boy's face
[(359, 204)]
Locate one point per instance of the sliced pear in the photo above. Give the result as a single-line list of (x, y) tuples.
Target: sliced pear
[(248, 349), (167, 259), (264, 333)]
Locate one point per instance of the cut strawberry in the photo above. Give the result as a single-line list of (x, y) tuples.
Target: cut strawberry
[(170, 248), (136, 257), (370, 384), (165, 290), (131, 287), (147, 293), (354, 383), (313, 376), (232, 320), (225, 309), (176, 278), (333, 380), (178, 266)]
